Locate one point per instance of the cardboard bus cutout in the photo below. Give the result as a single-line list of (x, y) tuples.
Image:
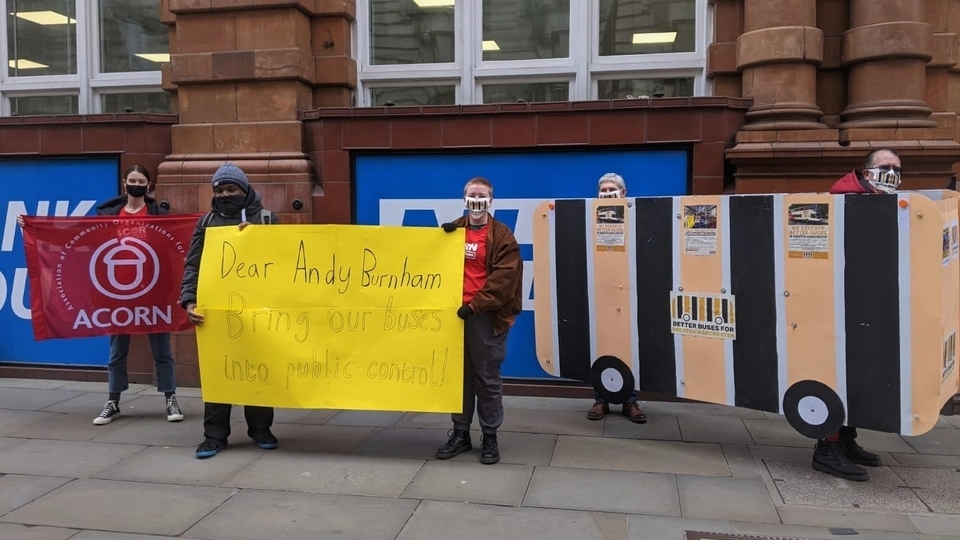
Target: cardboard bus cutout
[(828, 309)]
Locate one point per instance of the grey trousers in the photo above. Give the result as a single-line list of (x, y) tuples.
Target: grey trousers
[(482, 384)]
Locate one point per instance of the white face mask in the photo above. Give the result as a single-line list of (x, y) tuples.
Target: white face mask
[(885, 179), (615, 194), (477, 206)]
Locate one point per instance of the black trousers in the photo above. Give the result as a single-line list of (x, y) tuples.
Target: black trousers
[(216, 419)]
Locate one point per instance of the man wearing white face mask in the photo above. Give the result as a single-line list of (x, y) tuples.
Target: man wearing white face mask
[(612, 186), (880, 174), (492, 278)]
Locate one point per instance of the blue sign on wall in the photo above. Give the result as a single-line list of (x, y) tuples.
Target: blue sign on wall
[(45, 187), (426, 190)]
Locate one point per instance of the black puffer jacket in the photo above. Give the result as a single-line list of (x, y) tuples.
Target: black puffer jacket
[(191, 270), (113, 206)]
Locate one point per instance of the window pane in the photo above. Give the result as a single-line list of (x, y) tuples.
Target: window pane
[(526, 29), (413, 95), (24, 106), (42, 37), (645, 88), (132, 38), (152, 102), (647, 26), (411, 31), (510, 93)]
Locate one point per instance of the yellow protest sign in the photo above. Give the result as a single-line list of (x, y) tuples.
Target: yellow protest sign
[(332, 316)]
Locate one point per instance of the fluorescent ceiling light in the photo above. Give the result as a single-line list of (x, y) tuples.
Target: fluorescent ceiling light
[(490, 45), (434, 3), (46, 18), (654, 37), (26, 64), (159, 58)]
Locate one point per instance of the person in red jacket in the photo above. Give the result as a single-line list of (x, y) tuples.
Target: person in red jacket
[(839, 454)]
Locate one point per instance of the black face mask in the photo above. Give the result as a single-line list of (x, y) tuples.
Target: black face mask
[(136, 191), (229, 206)]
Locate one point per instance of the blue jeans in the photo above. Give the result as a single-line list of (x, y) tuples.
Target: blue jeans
[(162, 358), (632, 399)]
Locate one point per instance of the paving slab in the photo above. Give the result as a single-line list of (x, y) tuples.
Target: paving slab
[(470, 482), (15, 531), (314, 416), (785, 531), (952, 420), (255, 515), (104, 535), (122, 507), (430, 421), (604, 491), (69, 459), (740, 460), (877, 441), (799, 484), (941, 442), (17, 490), (550, 421), (737, 499), (774, 433), (309, 438), (413, 443), (671, 528), (659, 427), (366, 418), (925, 460), (87, 403), (714, 429), (484, 522), (943, 423), (12, 421), (7, 442), (640, 456), (154, 406), (858, 520), (177, 465), (68, 427), (699, 409), (550, 404), (153, 431), (36, 384), (333, 474), (937, 524), (95, 386)]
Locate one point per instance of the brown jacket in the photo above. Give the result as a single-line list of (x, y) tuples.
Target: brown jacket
[(503, 291)]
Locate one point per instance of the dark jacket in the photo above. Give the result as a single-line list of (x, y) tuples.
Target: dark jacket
[(191, 269), (502, 293), (113, 206), (852, 182)]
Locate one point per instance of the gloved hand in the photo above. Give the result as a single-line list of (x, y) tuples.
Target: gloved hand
[(449, 227), (464, 311)]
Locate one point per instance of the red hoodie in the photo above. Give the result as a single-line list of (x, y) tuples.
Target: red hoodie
[(852, 182)]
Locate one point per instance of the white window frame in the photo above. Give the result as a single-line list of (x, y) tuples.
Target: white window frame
[(88, 83), (582, 69)]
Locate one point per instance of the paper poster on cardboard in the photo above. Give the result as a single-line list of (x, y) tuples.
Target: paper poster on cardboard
[(949, 357), (946, 245), (808, 231), (705, 315), (955, 242), (611, 230), (700, 229)]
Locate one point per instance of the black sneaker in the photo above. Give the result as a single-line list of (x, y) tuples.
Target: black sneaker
[(209, 447), (174, 414), (110, 411), (458, 443), (264, 438), (829, 458), (489, 452), (855, 452)]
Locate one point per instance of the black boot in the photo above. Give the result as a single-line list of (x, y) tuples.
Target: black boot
[(489, 452), (829, 458), (854, 451), (458, 443)]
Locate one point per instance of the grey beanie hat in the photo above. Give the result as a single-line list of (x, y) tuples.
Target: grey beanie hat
[(229, 173)]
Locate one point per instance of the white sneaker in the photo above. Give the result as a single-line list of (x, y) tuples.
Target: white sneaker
[(110, 411), (174, 414)]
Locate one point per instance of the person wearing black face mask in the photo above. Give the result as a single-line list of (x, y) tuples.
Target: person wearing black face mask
[(234, 202), (136, 205)]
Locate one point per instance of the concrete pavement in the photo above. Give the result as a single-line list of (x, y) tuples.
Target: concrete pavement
[(373, 475)]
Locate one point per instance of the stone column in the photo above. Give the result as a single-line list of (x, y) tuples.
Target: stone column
[(885, 52), (778, 55), (833, 17), (722, 53)]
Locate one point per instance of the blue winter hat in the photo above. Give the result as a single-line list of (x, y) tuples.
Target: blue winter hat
[(229, 173)]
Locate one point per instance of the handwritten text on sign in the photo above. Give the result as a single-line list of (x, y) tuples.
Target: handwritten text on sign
[(332, 316)]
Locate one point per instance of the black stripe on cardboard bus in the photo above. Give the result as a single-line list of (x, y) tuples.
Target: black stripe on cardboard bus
[(654, 237), (573, 318), (752, 284), (872, 303)]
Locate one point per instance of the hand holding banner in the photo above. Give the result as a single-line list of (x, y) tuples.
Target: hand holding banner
[(332, 316), (95, 276)]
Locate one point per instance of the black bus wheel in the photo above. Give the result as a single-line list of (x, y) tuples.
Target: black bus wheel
[(612, 379), (813, 409)]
